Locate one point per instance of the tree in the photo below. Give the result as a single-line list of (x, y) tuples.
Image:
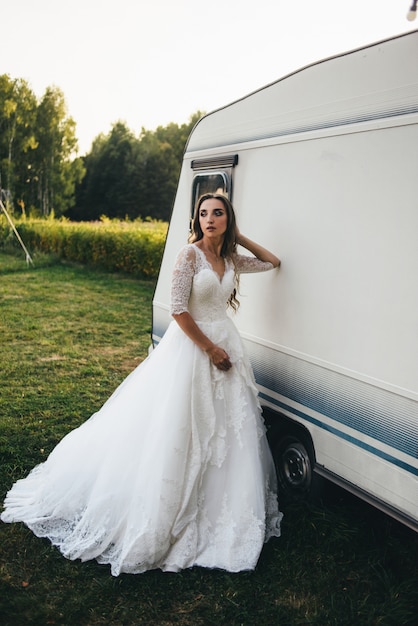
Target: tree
[(17, 133), (55, 171), (109, 185), (132, 177), (37, 147), (123, 176), (163, 151)]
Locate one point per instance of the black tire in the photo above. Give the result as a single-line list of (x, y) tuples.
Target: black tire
[(294, 466)]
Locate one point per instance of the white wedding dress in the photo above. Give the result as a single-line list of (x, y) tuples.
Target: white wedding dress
[(174, 470)]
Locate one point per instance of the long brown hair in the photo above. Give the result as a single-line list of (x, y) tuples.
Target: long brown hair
[(229, 245)]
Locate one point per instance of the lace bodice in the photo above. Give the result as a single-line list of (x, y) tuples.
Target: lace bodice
[(198, 289)]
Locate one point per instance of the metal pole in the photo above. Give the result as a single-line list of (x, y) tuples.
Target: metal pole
[(19, 238)]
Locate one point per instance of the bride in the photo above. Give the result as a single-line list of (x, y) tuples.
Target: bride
[(174, 470)]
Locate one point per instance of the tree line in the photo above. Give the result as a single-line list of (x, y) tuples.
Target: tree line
[(123, 175)]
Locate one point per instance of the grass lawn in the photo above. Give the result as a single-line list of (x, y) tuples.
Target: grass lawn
[(68, 337)]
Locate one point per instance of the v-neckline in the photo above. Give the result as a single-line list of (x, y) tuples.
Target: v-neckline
[(210, 264)]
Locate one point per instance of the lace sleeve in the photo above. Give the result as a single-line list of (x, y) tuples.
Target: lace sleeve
[(181, 284), (250, 264)]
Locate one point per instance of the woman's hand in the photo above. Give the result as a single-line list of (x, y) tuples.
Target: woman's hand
[(219, 358), (217, 355)]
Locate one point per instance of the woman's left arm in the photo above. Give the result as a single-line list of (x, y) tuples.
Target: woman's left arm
[(257, 250)]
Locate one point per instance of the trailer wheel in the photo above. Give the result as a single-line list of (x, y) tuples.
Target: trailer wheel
[(294, 466)]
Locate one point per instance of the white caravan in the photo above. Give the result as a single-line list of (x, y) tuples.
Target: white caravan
[(322, 168)]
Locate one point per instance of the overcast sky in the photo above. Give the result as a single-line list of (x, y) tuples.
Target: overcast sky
[(151, 62)]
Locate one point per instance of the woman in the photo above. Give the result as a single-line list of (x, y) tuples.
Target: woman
[(174, 470)]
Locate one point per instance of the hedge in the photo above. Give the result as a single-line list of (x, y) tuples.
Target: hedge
[(132, 247)]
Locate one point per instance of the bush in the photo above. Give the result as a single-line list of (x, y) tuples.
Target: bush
[(132, 247)]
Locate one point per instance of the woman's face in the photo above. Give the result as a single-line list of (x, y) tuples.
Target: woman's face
[(213, 218)]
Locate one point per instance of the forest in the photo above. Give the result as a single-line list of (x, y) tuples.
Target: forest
[(124, 176)]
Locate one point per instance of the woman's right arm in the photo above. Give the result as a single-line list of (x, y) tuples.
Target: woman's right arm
[(217, 355), (181, 286)]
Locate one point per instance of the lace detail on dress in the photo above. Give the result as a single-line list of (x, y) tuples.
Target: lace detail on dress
[(191, 261), (231, 540), (248, 264), (182, 279)]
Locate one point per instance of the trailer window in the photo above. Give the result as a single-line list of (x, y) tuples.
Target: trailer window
[(215, 182), (215, 176)]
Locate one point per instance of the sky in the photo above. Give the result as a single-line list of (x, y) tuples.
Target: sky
[(151, 62)]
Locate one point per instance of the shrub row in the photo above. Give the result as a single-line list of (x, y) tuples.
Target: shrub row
[(133, 247)]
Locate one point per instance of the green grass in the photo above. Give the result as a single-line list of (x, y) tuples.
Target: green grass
[(68, 337)]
